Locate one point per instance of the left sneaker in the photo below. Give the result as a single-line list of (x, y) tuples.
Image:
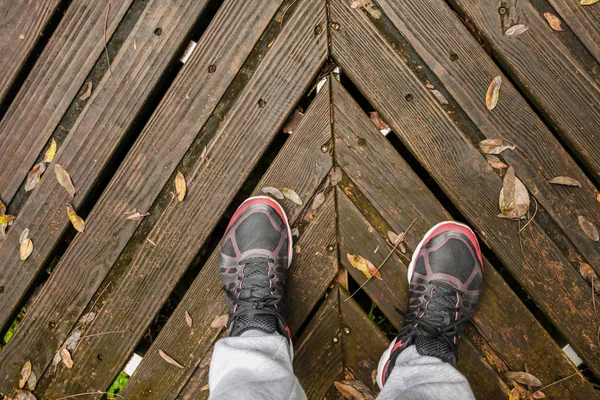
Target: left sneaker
[(256, 252)]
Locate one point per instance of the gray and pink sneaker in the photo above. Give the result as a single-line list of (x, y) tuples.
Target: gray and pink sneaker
[(256, 252), (445, 278)]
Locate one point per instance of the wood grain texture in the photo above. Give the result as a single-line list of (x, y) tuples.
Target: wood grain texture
[(92, 141), (584, 21), (196, 388), (186, 107), (464, 175), (51, 86), (204, 299), (547, 73), (21, 23)]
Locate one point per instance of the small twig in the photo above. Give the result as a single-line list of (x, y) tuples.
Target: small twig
[(399, 240), (105, 45), (530, 219), (104, 333), (88, 394), (551, 384)]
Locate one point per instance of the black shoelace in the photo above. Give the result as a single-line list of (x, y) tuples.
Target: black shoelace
[(256, 297)]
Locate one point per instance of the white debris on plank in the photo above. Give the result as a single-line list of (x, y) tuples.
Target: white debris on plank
[(188, 51)]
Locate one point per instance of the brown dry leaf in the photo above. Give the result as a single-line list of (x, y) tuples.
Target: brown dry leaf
[(220, 321), (24, 395), (318, 201), (494, 146), (87, 318), (169, 359), (25, 249), (64, 179), (354, 390), (25, 372), (363, 265), (291, 195), (524, 378), (136, 215), (588, 2), (493, 93), (588, 273), (516, 30), (77, 222), (553, 21), (87, 93), (6, 218), (565, 180), (51, 152), (495, 162), (273, 192), (32, 381), (439, 96), (65, 357), (336, 177), (188, 319), (514, 198), (292, 123), (394, 238), (180, 186), (24, 235), (538, 395), (3, 225), (588, 228), (379, 123), (367, 5), (34, 176)]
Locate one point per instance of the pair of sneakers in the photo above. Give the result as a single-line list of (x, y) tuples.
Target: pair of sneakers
[(445, 278)]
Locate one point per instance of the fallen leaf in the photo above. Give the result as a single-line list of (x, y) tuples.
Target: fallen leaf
[(516, 30), (65, 357), (25, 249), (318, 200), (220, 321), (494, 146), (64, 179), (188, 319), (3, 225), (588, 273), (87, 93), (273, 192), (367, 5), (77, 222), (495, 162), (204, 388), (292, 123), (136, 216), (379, 123), (363, 265), (73, 340), (6, 218), (515, 394), (598, 198), (297, 249), (336, 177), (24, 395), (180, 186), (588, 228), (87, 318), (25, 372), (439, 96), (493, 93), (56, 359), (565, 180), (429, 86), (514, 198), (51, 152), (538, 395), (34, 176), (553, 21), (169, 359), (354, 390), (291, 195), (394, 238), (32, 381), (24, 235), (524, 378), (588, 2)]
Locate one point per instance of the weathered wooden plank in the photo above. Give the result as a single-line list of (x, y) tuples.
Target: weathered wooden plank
[(52, 84), (21, 24), (537, 57), (196, 388), (96, 135), (584, 21), (147, 168), (318, 353), (180, 230), (462, 172), (204, 299)]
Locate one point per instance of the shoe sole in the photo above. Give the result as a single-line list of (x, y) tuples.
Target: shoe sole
[(411, 267)]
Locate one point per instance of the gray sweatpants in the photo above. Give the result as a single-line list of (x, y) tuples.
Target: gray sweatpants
[(259, 366)]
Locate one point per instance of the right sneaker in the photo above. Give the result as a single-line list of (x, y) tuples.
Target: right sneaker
[(445, 278)]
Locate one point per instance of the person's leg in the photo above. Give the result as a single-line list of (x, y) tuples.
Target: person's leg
[(445, 278), (255, 360)]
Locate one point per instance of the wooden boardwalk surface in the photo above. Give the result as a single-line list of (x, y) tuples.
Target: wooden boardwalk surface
[(129, 285)]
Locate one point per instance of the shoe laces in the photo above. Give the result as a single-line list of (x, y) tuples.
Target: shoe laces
[(255, 296)]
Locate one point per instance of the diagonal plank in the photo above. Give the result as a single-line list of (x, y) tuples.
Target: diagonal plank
[(461, 171), (186, 107), (300, 165), (51, 86), (573, 95), (22, 24), (196, 388), (534, 59), (182, 229), (94, 138)]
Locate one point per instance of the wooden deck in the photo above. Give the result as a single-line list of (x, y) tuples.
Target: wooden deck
[(126, 285)]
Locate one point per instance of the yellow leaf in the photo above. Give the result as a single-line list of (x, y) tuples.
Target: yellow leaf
[(588, 2), (77, 222), (25, 249), (180, 186), (363, 265), (493, 93), (4, 219), (51, 152), (65, 357), (64, 179)]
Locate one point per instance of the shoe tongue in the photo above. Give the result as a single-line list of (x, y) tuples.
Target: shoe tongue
[(434, 347), (258, 271), (442, 297)]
